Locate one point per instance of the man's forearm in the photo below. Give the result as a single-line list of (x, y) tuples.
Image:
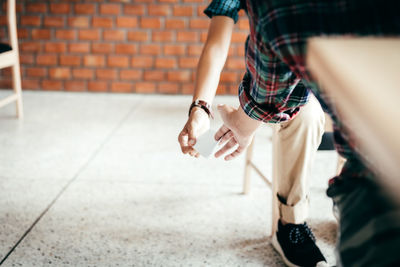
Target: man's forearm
[(213, 58)]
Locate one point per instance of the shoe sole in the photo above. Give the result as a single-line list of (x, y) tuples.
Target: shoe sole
[(278, 248)]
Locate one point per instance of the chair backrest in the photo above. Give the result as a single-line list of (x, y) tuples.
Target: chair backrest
[(12, 25)]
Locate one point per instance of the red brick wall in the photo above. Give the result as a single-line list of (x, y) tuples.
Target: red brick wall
[(143, 46)]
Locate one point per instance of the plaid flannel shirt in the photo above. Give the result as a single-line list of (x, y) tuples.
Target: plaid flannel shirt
[(277, 80), (269, 92)]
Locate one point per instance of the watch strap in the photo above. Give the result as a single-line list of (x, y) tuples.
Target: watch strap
[(203, 105)]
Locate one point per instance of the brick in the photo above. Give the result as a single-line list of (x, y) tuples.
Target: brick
[(174, 23), (150, 23), (82, 73), (70, 60), (102, 22), (30, 84), (85, 9), (131, 74), (79, 48), (235, 63), (121, 87), (162, 36), (240, 50), (55, 47), (142, 61), (102, 48), (199, 23), (166, 63), (186, 11), (53, 22), (94, 60), (36, 8), (114, 35), (188, 62), (6, 84), (229, 76), (200, 10), (45, 59), (168, 1), (59, 8), (21, 33), (30, 47), (96, 86), (127, 22), (30, 21), (106, 74), (36, 72), (231, 51), (168, 88), (118, 61), (60, 73), (78, 22), (239, 37), (27, 59), (222, 89), (66, 34), (150, 49), (243, 24), (174, 49), (75, 86), (203, 37), (158, 10), (89, 35), (179, 76), (134, 9), (137, 36), (195, 50), (52, 85), (187, 36), (125, 48), (110, 9), (145, 87), (154, 75)]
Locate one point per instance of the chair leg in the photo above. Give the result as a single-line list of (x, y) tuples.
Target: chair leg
[(16, 75), (274, 202), (247, 169)]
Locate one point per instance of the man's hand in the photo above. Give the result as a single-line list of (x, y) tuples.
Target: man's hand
[(238, 129), (197, 124)]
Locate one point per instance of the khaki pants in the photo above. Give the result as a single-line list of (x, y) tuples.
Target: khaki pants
[(296, 142)]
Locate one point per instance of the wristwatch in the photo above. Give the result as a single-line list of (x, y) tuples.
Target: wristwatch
[(203, 105)]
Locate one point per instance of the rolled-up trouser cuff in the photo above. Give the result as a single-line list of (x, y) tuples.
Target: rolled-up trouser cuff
[(295, 214)]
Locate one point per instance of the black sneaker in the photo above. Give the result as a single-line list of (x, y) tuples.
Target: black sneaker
[(296, 244)]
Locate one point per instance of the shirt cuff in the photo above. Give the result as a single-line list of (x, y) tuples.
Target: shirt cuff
[(268, 113), (229, 8)]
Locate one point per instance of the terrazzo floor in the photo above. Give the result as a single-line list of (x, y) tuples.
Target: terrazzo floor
[(99, 180)]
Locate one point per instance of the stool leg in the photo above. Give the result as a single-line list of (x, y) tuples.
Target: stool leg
[(16, 75), (275, 208), (247, 168)]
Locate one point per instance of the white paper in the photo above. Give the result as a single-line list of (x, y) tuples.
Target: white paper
[(206, 144)]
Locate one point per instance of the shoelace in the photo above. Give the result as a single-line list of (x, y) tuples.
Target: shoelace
[(300, 233)]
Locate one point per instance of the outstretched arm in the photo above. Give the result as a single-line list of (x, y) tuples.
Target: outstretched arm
[(208, 72)]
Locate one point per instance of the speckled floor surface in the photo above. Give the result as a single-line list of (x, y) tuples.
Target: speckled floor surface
[(99, 180)]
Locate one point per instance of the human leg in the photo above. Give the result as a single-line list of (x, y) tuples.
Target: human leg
[(296, 143)]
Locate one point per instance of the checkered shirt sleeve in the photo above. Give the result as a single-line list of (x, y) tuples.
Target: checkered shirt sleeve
[(229, 8)]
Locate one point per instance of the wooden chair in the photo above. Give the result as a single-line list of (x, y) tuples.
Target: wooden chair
[(250, 165), (9, 57)]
